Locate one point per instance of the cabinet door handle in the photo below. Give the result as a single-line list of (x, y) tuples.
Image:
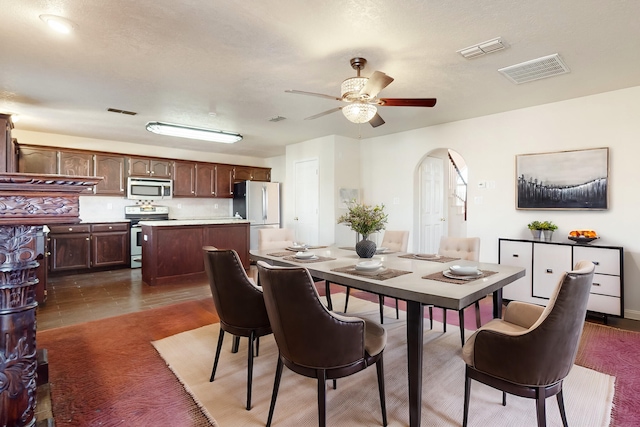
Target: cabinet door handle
[(110, 227), (86, 238), (70, 229), (595, 284), (515, 255), (595, 262), (549, 270)]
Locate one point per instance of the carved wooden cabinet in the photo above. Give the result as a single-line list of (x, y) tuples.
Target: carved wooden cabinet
[(111, 168), (145, 166), (75, 163), (85, 246), (38, 160), (184, 179)]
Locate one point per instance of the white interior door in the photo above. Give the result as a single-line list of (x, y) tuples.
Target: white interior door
[(432, 215), (306, 201)]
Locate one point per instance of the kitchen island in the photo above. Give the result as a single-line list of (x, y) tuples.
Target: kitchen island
[(172, 249)]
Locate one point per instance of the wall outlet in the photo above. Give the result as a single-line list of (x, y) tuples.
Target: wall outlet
[(109, 206), (179, 205), (215, 206)]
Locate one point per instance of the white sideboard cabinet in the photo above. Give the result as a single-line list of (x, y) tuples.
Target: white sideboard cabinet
[(546, 261)]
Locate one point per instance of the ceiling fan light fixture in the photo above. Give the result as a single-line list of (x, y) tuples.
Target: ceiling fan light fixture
[(359, 112), (58, 23), (191, 132), (351, 87)]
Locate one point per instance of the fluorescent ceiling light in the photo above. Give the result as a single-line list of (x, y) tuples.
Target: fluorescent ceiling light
[(58, 23), (191, 132)]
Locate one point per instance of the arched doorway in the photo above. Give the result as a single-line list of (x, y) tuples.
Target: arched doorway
[(441, 202)]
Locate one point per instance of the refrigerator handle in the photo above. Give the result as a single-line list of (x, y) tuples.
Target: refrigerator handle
[(265, 202)]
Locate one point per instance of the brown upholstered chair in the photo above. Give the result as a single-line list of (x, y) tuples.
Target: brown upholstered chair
[(467, 248), (394, 241), (275, 238), (313, 341), (532, 350), (239, 304)]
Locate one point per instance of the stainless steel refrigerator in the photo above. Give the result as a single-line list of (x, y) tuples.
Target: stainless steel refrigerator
[(259, 202)]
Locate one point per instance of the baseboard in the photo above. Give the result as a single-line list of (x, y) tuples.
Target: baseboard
[(632, 314)]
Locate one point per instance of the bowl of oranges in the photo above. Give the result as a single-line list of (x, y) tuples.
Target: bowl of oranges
[(583, 236)]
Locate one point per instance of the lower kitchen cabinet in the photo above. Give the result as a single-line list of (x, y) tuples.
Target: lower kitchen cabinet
[(86, 246), (546, 261)]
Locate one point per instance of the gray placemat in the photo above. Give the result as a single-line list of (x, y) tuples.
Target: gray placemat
[(441, 259), (439, 276), (279, 254), (307, 261), (389, 273)]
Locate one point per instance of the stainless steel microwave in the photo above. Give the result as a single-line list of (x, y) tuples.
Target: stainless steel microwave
[(149, 188)]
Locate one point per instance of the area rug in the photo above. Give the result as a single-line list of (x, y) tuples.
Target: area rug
[(106, 373), (588, 394)]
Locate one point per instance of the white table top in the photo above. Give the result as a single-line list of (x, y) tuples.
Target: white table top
[(409, 287)]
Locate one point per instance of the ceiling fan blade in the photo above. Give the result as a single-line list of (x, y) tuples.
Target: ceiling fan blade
[(324, 113), (376, 121), (375, 84), (407, 102), (321, 95)]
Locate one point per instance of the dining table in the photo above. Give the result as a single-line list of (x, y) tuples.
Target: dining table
[(418, 279)]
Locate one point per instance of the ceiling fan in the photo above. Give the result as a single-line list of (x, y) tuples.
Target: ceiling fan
[(360, 94)]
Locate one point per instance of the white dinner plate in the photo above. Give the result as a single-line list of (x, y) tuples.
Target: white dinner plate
[(469, 270), (305, 255), (378, 270), (368, 265), (450, 275), (426, 256), (381, 250), (298, 248)]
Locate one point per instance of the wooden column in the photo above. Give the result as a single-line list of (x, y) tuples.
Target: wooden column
[(27, 201)]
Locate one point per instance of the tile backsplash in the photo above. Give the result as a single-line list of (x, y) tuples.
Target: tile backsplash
[(98, 208)]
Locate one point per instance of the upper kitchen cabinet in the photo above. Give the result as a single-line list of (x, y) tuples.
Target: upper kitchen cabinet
[(184, 179), (73, 163), (37, 160), (224, 181), (246, 173), (111, 168), (205, 180), (145, 166)]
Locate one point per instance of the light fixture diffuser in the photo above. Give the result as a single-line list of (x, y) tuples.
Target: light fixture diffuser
[(191, 132), (58, 23), (359, 112)]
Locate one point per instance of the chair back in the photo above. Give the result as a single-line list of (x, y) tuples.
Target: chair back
[(239, 303), (546, 352), (460, 247), (306, 333), (396, 241), (275, 238)]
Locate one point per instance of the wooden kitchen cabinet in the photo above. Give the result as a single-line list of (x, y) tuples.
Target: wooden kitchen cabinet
[(86, 246), (111, 168), (224, 181), (546, 261), (252, 173), (75, 163), (205, 180), (37, 160), (145, 166), (184, 181)]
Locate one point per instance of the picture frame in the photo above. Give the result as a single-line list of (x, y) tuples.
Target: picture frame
[(565, 180), (348, 195)]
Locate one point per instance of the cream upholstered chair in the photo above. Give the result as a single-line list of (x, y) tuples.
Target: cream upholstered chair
[(313, 341), (532, 350), (239, 305), (394, 241), (467, 248), (275, 238)]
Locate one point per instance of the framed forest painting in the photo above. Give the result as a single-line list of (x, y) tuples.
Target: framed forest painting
[(576, 179)]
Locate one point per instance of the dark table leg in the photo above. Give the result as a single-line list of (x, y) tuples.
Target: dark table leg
[(497, 304), (415, 318)]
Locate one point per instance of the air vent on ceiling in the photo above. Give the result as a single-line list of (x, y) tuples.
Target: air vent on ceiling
[(547, 66), (277, 119), (483, 48), (116, 110)]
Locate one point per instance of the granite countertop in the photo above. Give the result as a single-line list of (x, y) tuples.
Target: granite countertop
[(210, 221)]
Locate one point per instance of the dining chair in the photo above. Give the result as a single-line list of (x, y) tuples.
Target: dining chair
[(394, 241), (313, 341), (239, 305), (467, 248), (275, 238), (531, 350)]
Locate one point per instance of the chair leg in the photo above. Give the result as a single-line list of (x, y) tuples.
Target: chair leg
[(250, 368), (381, 303), (322, 398), (235, 345), (467, 395), (383, 405), (504, 398), (444, 320), (346, 298), (478, 319), (274, 395), (327, 293), (540, 409), (461, 319), (430, 317), (563, 414), (335, 384), (397, 310), (215, 361)]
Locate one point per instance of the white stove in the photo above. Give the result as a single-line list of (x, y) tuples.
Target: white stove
[(139, 213)]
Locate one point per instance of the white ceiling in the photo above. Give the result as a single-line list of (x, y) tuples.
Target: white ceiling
[(177, 61)]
